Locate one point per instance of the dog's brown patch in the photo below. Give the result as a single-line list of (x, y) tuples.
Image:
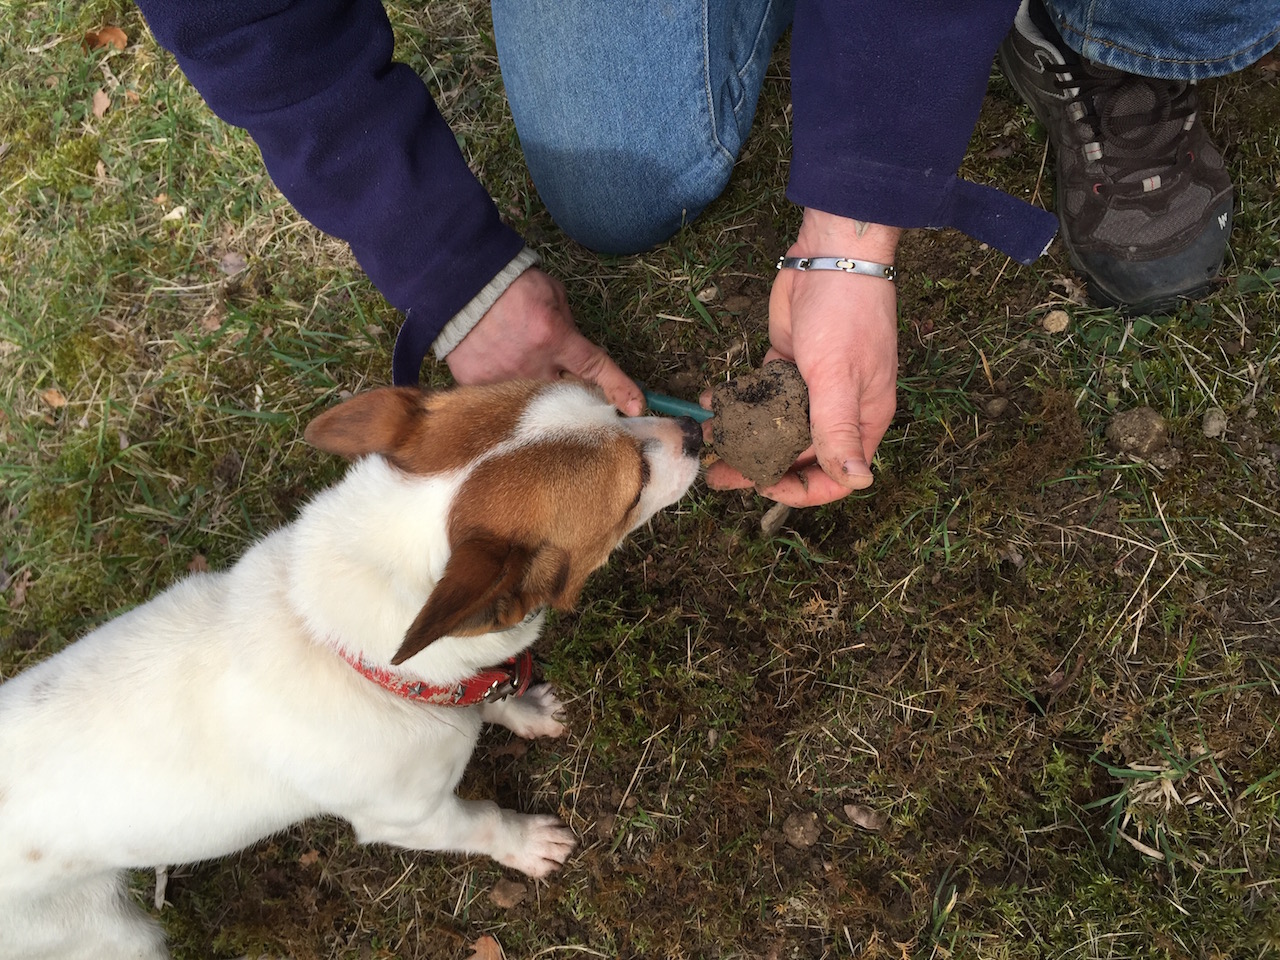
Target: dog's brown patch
[(419, 431), (489, 584), (374, 422), (462, 425), (577, 495), (527, 529), (34, 855)]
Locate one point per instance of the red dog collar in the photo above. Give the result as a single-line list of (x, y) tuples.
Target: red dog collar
[(509, 679)]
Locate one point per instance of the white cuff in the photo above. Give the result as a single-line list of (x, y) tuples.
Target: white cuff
[(465, 319)]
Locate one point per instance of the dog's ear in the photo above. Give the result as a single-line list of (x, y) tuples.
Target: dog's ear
[(373, 422), (489, 584)]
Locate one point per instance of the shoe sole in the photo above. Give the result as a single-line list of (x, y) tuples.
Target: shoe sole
[(1173, 283)]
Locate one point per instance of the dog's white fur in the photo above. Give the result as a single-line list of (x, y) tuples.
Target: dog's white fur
[(219, 712)]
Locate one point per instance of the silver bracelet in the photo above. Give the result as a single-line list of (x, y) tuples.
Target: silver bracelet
[(884, 270)]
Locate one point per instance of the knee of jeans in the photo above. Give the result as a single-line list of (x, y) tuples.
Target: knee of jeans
[(619, 204)]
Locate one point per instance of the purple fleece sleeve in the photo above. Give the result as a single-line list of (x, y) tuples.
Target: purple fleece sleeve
[(885, 96), (354, 142)]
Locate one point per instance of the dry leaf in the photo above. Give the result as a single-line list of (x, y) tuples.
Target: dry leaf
[(106, 37), (100, 170), (309, 858), (54, 398), (1141, 847), (865, 817), (232, 263), (177, 213), (161, 200), (1073, 289), (508, 893), (20, 586), (132, 96), (707, 294), (198, 564), (101, 102), (211, 322), (486, 948), (1056, 321)]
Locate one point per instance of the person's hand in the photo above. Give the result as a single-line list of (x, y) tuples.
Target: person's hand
[(841, 331), (529, 332)]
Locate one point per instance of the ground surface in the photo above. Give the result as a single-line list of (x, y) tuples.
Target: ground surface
[(1018, 699)]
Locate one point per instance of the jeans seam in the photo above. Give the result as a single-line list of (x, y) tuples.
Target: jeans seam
[(706, 82), (761, 32), (1086, 36)]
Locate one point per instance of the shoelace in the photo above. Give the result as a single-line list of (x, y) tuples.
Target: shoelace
[(1140, 142)]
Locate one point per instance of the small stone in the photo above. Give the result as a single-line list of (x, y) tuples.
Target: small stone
[(801, 829), (1140, 432), (1214, 423), (708, 293), (508, 893), (773, 519), (996, 406), (1055, 321)]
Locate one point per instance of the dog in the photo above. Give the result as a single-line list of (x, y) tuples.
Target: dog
[(343, 666)]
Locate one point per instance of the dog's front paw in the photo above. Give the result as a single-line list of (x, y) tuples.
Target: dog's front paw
[(548, 713), (544, 843), (539, 713)]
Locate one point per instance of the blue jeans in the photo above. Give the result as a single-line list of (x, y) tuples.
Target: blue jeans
[(631, 115), (1186, 40)]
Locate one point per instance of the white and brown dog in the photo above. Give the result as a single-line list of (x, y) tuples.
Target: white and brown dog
[(344, 665)]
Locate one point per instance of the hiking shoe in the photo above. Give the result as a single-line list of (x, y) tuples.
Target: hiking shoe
[(1143, 198)]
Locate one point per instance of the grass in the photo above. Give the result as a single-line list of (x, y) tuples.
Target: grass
[(1054, 667)]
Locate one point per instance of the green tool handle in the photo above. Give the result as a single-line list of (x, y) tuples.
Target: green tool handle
[(672, 407)]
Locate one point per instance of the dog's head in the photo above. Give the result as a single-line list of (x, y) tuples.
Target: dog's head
[(552, 479)]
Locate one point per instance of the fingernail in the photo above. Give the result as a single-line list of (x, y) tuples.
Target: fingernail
[(855, 468)]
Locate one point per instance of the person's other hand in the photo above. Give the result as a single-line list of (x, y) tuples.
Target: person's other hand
[(841, 331), (529, 332)]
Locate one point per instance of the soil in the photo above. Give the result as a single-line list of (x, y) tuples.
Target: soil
[(1143, 433), (762, 421)]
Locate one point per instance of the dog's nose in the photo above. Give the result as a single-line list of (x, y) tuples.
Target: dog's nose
[(691, 433)]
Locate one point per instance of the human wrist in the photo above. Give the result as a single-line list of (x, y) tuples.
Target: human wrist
[(825, 234), (465, 319)]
